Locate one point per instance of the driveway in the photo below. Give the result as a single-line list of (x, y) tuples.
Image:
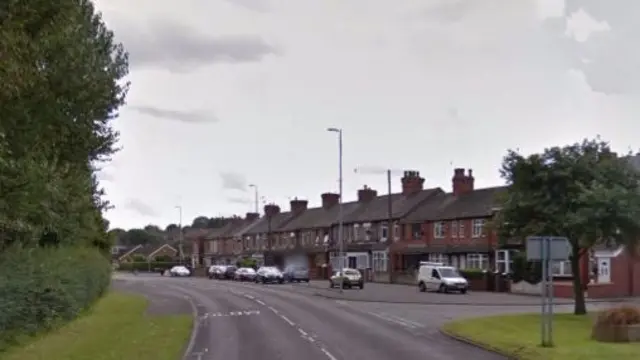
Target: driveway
[(243, 321)]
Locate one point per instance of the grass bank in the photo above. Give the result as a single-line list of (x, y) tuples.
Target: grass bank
[(519, 336), (117, 328)]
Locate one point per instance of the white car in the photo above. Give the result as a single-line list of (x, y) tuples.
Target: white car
[(179, 270), (269, 274)]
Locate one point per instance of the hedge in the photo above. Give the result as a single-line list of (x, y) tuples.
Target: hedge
[(41, 288)]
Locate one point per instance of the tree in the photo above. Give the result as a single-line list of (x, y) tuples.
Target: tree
[(61, 84), (583, 191)]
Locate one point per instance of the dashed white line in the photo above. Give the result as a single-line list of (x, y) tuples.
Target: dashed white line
[(249, 297), (390, 319), (287, 320), (328, 354), (274, 310), (260, 302), (302, 332)]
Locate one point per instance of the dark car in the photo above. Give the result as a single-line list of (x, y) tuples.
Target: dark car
[(269, 274), (296, 273), (229, 272)]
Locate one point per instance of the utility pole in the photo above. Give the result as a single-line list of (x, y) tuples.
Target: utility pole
[(255, 190), (340, 215)]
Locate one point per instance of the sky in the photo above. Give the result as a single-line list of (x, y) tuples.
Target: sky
[(229, 93)]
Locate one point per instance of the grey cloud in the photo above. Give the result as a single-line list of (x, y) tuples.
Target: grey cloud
[(238, 200), (182, 49), (176, 115), (234, 181), (451, 10), (255, 5), (140, 207), (609, 58)]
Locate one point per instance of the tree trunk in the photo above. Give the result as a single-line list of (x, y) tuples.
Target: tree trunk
[(580, 306)]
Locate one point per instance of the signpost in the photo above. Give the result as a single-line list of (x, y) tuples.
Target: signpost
[(547, 249)]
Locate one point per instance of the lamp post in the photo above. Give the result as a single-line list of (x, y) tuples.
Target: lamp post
[(255, 190), (340, 220), (180, 238)]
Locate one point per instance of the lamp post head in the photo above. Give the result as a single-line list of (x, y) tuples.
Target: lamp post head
[(332, 129)]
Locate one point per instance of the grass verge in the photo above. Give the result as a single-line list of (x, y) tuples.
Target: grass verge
[(117, 328), (519, 336)]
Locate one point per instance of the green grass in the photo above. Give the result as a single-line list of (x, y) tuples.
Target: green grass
[(519, 336), (117, 328)]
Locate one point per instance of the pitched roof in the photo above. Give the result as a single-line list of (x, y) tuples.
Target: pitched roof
[(477, 203), (276, 222), (320, 217), (246, 227), (148, 249), (224, 230), (377, 209)]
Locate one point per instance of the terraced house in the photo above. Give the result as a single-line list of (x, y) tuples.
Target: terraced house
[(451, 228)]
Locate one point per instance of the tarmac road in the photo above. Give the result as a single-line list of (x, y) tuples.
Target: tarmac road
[(239, 321)]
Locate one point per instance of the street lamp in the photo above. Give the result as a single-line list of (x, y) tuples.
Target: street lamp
[(181, 239), (340, 220), (255, 190)]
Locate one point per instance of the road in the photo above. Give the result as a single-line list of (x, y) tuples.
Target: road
[(240, 321)]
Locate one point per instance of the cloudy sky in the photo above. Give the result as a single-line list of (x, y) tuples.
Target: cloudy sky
[(227, 93)]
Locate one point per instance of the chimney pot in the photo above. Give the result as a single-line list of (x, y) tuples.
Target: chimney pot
[(412, 182), (366, 194), (271, 209), (252, 216), (462, 183), (298, 206), (330, 199)]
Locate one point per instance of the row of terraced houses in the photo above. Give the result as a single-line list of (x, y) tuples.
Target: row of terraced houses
[(384, 235)]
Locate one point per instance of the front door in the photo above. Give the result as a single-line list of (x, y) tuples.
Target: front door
[(353, 262), (604, 270)]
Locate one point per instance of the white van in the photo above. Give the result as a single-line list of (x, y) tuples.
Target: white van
[(440, 277)]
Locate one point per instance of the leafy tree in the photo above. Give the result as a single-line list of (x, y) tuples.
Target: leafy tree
[(583, 191), (171, 228)]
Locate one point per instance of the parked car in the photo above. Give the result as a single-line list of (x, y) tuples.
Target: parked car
[(269, 274), (245, 274), (296, 273), (216, 271), (229, 272), (441, 278), (350, 278), (180, 270)]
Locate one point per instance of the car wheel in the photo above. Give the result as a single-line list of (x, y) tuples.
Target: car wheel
[(442, 288), (331, 285), (306, 280), (361, 286), (422, 286), (463, 291)]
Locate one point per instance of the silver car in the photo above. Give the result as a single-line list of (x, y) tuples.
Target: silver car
[(269, 274), (296, 273)]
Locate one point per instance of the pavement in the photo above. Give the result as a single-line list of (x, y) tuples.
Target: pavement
[(241, 321)]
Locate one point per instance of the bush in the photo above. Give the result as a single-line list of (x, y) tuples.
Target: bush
[(529, 271), (617, 325), (472, 274), (43, 287)]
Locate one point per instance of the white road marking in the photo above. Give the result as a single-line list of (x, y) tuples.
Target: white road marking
[(406, 320), (260, 302), (249, 296), (287, 320), (328, 354), (302, 332), (390, 319), (274, 310)]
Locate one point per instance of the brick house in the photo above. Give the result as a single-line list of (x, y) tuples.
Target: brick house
[(366, 229), (311, 232), (263, 234), (451, 228)]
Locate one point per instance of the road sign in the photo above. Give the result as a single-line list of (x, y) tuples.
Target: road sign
[(557, 248)]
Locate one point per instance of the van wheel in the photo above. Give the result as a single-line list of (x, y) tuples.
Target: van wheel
[(422, 287), (442, 288)]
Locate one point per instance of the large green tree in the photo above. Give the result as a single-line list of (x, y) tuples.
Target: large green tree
[(583, 191), (61, 84)]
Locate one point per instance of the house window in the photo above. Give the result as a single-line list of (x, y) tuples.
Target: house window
[(454, 229), (438, 230), (477, 261), (477, 228), (561, 268), (384, 232), (396, 232), (366, 229), (439, 258), (380, 261), (416, 231), (461, 229), (503, 261)]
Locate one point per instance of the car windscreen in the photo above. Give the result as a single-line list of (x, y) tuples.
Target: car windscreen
[(249, 271), (449, 272), (351, 272)]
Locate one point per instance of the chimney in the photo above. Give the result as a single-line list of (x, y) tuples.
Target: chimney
[(462, 183), (329, 200), (251, 216), (411, 182), (366, 194), (298, 206), (271, 209)]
